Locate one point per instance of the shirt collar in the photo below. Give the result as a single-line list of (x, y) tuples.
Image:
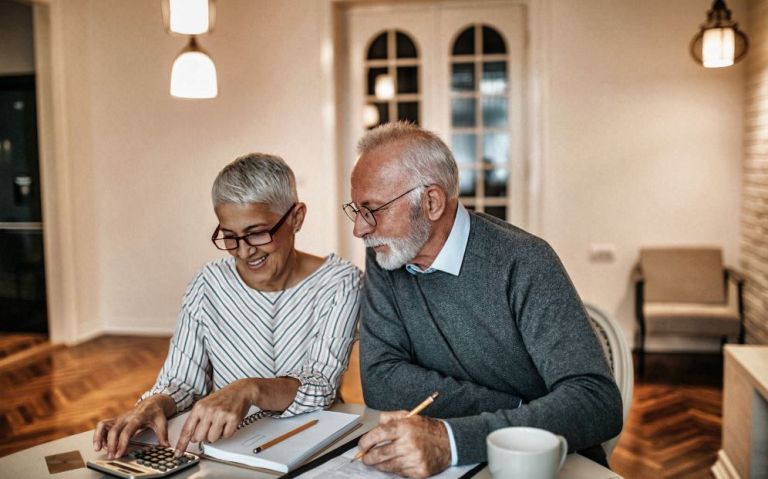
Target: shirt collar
[(452, 253)]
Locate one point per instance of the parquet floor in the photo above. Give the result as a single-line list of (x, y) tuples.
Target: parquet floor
[(67, 390), (673, 430), (674, 426)]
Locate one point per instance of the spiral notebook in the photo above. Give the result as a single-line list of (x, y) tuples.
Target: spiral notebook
[(258, 428)]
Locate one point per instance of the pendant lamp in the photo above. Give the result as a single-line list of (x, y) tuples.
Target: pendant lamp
[(719, 42), (193, 74), (188, 17)]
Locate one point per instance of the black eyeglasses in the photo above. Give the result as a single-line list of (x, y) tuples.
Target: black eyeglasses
[(230, 243), (352, 210)]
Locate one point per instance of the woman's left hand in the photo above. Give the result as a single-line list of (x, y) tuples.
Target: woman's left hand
[(218, 414)]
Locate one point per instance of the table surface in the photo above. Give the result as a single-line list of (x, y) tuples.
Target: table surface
[(754, 360), (30, 463)]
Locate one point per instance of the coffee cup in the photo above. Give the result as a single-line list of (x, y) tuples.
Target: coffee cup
[(525, 452)]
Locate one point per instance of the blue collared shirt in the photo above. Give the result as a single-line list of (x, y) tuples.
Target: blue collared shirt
[(452, 254), (449, 261)]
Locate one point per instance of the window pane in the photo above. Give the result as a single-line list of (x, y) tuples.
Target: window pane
[(495, 182), (465, 42), (494, 111), (463, 77), (407, 79), (378, 48), (496, 149), (408, 111), (383, 112), (494, 80), (463, 147), (463, 112), (467, 182), (372, 74), (492, 41), (497, 211), (405, 47)]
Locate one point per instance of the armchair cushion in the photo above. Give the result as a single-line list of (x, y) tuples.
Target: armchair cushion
[(694, 319), (683, 275)]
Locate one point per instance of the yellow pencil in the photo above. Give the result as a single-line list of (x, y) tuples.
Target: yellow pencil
[(423, 405), (285, 436)]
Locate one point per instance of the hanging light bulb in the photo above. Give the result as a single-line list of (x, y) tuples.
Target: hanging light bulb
[(188, 17), (719, 42), (384, 87), (370, 115), (193, 74)]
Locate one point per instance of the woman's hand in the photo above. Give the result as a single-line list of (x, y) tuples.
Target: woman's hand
[(218, 414), (114, 434)]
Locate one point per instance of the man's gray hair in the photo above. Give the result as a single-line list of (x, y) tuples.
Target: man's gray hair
[(256, 178), (424, 155)]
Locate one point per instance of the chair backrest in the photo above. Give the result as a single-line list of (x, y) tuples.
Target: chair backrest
[(619, 358), (683, 275)]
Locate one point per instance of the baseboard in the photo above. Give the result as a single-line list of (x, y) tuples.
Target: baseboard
[(682, 345), (139, 330)]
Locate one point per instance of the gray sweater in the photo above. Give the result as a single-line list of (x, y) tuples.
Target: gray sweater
[(511, 326)]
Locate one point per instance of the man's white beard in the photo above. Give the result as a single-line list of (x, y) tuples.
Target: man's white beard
[(402, 250)]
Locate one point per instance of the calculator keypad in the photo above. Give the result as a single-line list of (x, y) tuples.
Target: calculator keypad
[(157, 458)]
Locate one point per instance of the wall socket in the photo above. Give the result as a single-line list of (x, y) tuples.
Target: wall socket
[(602, 253)]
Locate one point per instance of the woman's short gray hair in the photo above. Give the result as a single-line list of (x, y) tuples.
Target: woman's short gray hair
[(256, 178), (424, 155)]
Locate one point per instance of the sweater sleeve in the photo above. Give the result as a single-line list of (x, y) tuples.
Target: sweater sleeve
[(389, 369), (583, 403), (328, 355), (186, 374)]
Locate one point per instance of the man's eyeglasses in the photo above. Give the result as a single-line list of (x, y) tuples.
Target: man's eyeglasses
[(352, 209), (230, 243)]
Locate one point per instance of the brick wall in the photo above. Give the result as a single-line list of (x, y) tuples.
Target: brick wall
[(754, 222)]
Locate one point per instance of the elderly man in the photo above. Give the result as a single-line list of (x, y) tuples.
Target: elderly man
[(469, 306)]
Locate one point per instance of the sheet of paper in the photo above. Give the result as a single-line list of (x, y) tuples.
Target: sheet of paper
[(342, 467)]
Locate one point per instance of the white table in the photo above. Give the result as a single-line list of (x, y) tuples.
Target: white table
[(30, 463)]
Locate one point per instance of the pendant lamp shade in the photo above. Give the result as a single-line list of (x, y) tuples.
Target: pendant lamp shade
[(193, 74), (719, 42), (188, 17)]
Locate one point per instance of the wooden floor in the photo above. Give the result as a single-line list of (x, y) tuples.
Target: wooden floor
[(673, 429)]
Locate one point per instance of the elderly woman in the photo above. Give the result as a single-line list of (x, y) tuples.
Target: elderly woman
[(270, 326)]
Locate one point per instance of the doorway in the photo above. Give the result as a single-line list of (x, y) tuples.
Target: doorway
[(22, 272), (455, 67)]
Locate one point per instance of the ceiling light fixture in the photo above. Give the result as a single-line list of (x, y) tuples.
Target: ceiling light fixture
[(719, 42), (188, 17), (193, 74)]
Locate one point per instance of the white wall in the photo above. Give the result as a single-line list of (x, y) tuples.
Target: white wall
[(644, 145), (16, 47), (141, 163), (641, 146)]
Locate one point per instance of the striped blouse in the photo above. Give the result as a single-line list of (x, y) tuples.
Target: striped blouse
[(228, 331)]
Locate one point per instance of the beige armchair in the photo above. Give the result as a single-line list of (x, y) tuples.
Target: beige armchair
[(687, 292)]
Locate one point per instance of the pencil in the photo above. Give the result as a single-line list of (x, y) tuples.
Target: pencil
[(423, 405), (285, 436)]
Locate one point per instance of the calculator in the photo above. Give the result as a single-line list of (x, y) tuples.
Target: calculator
[(145, 462)]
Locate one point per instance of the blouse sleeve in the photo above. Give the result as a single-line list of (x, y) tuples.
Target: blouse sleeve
[(186, 375), (328, 355)]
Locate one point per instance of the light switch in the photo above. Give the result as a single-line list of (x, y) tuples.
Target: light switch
[(602, 253)]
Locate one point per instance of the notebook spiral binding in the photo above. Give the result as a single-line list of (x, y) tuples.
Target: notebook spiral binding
[(247, 421)]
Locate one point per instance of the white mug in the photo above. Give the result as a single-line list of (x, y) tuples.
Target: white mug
[(525, 452)]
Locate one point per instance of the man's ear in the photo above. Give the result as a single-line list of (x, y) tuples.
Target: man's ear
[(434, 202)]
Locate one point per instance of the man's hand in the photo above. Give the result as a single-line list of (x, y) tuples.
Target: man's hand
[(218, 414), (114, 434), (414, 447)]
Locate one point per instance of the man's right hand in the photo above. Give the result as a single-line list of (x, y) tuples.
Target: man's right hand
[(114, 434)]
